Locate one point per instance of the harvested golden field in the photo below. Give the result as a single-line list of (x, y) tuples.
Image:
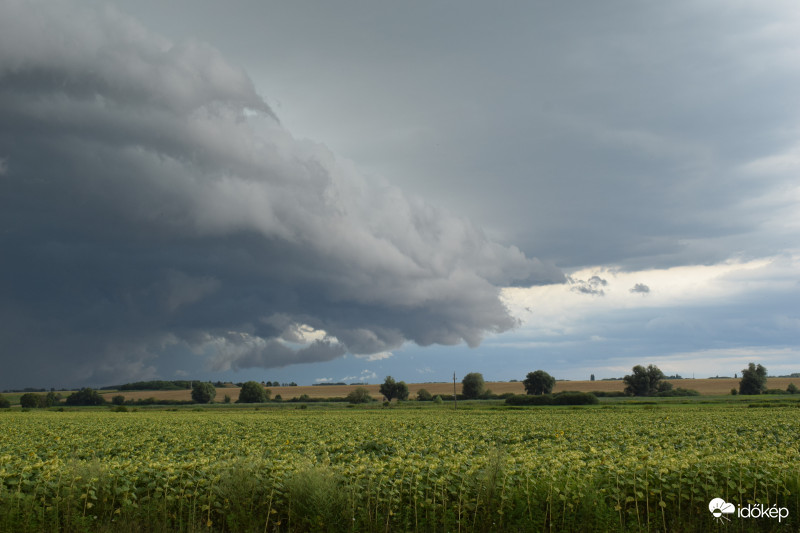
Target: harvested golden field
[(703, 386)]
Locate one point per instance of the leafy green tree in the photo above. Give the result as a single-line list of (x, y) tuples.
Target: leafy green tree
[(472, 385), (119, 399), (393, 389), (792, 388), (4, 403), (539, 382), (203, 392), (359, 395), (401, 390), (85, 396), (645, 381), (253, 392), (29, 400), (424, 396), (754, 380)]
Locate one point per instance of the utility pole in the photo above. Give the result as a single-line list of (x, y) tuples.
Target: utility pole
[(455, 396)]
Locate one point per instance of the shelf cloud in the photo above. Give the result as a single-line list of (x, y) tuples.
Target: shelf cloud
[(150, 200)]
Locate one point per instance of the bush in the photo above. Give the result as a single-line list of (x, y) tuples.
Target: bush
[(253, 392), (539, 382), (359, 395), (792, 388), (575, 398), (424, 396), (203, 392), (734, 392), (4, 403), (609, 394), (119, 399), (472, 385), (437, 399), (774, 391), (562, 398), (680, 391), (85, 396)]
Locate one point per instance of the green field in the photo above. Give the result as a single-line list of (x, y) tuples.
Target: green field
[(610, 467)]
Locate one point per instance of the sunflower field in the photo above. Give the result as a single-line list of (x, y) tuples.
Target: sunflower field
[(605, 468)]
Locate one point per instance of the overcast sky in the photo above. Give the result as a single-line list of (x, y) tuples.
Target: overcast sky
[(340, 191)]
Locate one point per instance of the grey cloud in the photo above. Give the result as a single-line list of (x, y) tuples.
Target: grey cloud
[(593, 285), (153, 202), (640, 288)]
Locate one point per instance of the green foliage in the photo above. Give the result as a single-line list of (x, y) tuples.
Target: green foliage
[(393, 389), (645, 381), (678, 391), (472, 385), (437, 399), (424, 396), (734, 392), (359, 395), (792, 389), (119, 399), (754, 379), (85, 396), (29, 400), (562, 398), (203, 392), (253, 392), (539, 382), (4, 403)]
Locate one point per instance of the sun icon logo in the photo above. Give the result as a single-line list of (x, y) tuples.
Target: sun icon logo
[(719, 508)]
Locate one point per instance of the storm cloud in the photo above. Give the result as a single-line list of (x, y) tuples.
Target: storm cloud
[(150, 200)]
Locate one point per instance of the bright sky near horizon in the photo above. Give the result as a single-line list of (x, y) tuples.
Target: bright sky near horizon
[(317, 191)]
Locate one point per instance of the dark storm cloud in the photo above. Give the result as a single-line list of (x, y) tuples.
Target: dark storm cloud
[(150, 199), (640, 288)]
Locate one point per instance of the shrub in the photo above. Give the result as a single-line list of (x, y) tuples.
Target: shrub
[(424, 396), (734, 392), (85, 396), (792, 388), (4, 403), (437, 399), (359, 395), (575, 398), (119, 399), (680, 391)]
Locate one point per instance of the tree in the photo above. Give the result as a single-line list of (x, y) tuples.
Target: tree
[(591, 378), (4, 403), (119, 399), (472, 385), (85, 396), (424, 396), (203, 392), (645, 381), (393, 389), (29, 400), (754, 380), (359, 395), (539, 382), (253, 392)]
